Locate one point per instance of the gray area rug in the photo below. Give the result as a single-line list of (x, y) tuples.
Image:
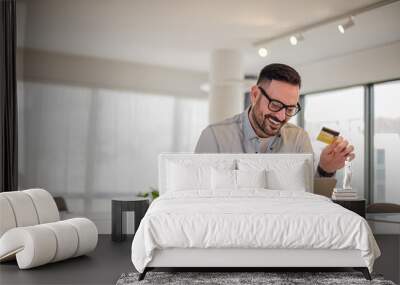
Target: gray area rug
[(226, 278)]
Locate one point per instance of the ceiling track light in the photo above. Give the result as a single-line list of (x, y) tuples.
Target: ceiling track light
[(295, 39), (349, 23), (263, 52), (262, 43)]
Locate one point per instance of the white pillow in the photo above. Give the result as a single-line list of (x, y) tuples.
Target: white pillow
[(226, 179), (291, 179), (223, 179), (251, 179), (281, 174), (193, 174), (188, 177)]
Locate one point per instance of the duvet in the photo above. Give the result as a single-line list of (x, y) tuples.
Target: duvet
[(251, 218)]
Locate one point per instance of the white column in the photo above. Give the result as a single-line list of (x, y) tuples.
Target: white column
[(226, 80)]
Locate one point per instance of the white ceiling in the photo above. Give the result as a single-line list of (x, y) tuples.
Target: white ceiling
[(183, 33)]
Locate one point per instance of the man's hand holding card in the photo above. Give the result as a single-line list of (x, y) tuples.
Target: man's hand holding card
[(334, 155)]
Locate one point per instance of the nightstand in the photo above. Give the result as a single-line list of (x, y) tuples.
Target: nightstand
[(357, 206), (118, 206)]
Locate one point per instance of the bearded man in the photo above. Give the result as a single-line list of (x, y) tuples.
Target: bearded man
[(264, 128)]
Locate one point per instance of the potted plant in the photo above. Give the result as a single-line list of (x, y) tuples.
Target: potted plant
[(152, 194)]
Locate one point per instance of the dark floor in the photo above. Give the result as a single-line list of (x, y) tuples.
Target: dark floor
[(110, 259), (102, 266)]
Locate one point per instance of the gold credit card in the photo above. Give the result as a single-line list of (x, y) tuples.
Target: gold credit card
[(327, 136)]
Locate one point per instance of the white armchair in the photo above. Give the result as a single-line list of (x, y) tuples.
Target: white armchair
[(31, 230)]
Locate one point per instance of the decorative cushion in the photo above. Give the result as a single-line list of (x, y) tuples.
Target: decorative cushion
[(293, 181), (226, 179), (281, 174), (189, 175), (251, 179), (223, 179)]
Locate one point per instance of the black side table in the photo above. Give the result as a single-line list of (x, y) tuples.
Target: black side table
[(357, 206), (118, 206)]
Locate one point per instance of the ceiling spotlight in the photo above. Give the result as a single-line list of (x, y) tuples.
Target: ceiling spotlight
[(295, 39), (343, 27), (263, 52)]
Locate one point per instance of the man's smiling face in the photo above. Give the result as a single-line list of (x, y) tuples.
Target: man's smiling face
[(264, 121)]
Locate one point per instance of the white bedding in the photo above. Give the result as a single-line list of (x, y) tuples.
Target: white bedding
[(251, 218)]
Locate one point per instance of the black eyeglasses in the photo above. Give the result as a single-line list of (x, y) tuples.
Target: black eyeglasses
[(276, 105)]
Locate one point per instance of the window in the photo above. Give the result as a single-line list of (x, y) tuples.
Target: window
[(387, 142), (341, 110), (89, 145)]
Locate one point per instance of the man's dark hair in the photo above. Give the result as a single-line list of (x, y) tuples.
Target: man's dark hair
[(280, 72)]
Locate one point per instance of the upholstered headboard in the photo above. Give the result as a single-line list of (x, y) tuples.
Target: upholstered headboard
[(233, 161)]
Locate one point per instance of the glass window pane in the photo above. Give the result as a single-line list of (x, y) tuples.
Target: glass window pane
[(387, 142), (343, 111), (89, 145)]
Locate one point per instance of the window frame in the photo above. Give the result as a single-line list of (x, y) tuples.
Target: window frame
[(369, 131)]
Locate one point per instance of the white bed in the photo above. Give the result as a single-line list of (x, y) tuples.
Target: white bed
[(202, 220)]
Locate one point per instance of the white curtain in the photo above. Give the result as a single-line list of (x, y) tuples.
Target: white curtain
[(90, 145)]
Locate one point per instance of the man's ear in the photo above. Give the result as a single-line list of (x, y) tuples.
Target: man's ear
[(254, 93)]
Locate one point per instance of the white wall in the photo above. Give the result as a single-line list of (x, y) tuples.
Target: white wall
[(109, 74), (371, 65)]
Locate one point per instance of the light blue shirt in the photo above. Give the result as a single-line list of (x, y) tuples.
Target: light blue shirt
[(236, 135)]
